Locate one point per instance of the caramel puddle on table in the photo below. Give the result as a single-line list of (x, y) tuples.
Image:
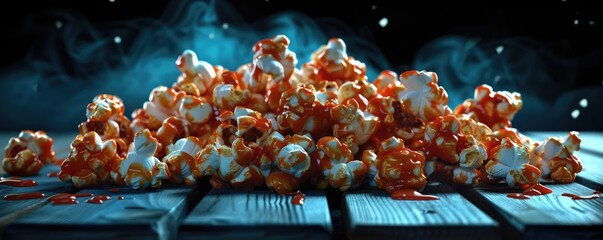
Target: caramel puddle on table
[(595, 195), (24, 196), (298, 198), (18, 182), (409, 194), (528, 191), (98, 199), (67, 198)]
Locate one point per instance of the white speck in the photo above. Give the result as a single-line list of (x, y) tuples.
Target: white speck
[(497, 79), (499, 49), (117, 39), (575, 113), (576, 22), (59, 24), (583, 103), (111, 0), (591, 22), (225, 25), (383, 22), (373, 7), (211, 36)]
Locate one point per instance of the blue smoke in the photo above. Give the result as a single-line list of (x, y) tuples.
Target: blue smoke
[(545, 80), (50, 88), (74, 61)]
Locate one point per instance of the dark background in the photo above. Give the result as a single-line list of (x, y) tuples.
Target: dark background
[(563, 39)]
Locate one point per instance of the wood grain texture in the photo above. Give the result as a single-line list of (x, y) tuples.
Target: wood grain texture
[(592, 171), (550, 216), (592, 162), (233, 214), (141, 214), (46, 185), (372, 214)]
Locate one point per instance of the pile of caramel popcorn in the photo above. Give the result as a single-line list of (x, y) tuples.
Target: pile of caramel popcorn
[(271, 123)]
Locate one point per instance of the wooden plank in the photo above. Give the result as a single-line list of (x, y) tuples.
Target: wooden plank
[(591, 141), (9, 209), (141, 214), (233, 214), (372, 214), (550, 216), (592, 171), (592, 163)]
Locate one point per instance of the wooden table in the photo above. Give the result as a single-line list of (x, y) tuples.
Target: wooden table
[(199, 212)]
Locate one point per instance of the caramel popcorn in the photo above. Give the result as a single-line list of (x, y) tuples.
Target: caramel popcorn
[(198, 116), (103, 107), (495, 109), (360, 91), (398, 167), (172, 129), (163, 103), (139, 120), (478, 130), (332, 63), (395, 119), (233, 156), (25, 163), (510, 161), (195, 110), (302, 110), (26, 154), (445, 141), (227, 97), (105, 115), (245, 123), (90, 161), (388, 85), (270, 123), (271, 70), (37, 142), (108, 129), (422, 96), (555, 158), (141, 169), (233, 92), (293, 162), (231, 166), (197, 76), (182, 160), (353, 126), (338, 165), (116, 113)]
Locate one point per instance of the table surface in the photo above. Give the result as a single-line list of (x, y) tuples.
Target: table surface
[(199, 212)]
